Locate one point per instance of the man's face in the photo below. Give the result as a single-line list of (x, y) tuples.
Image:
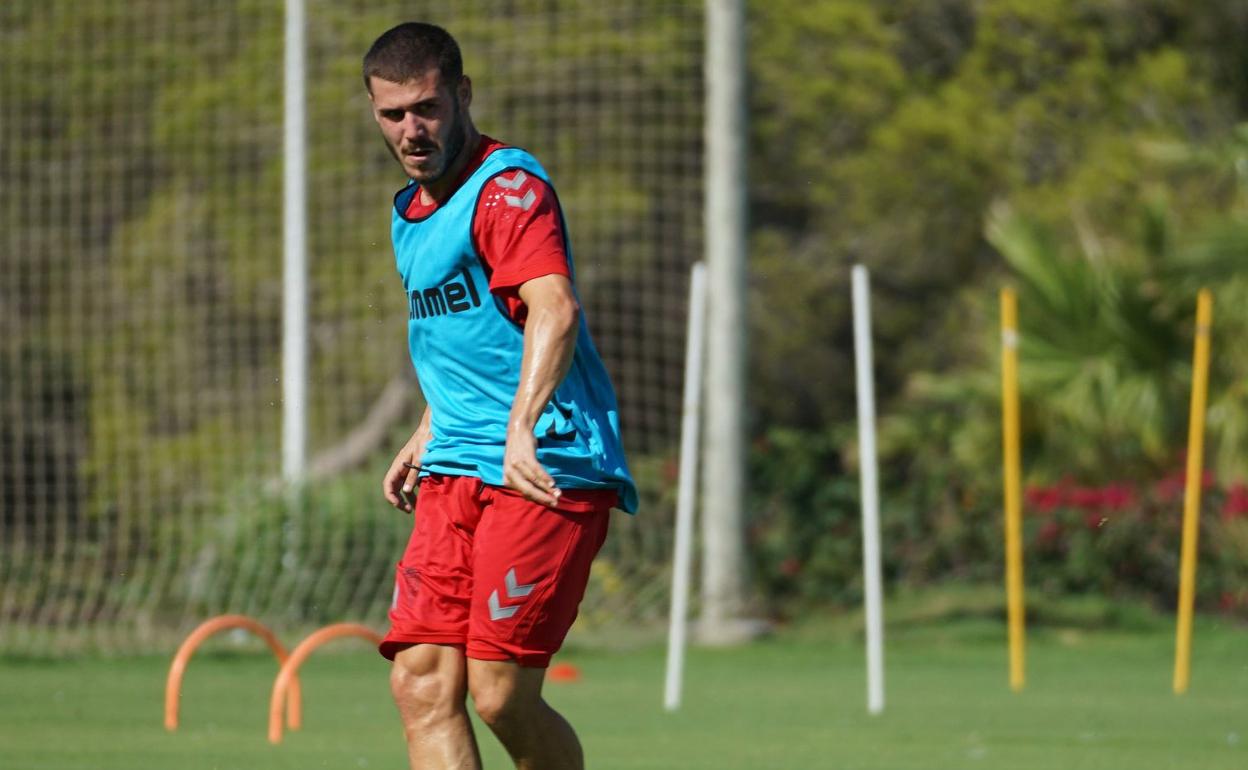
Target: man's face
[(422, 122)]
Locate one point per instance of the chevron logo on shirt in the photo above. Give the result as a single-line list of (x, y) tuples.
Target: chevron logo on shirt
[(524, 204), (515, 183)]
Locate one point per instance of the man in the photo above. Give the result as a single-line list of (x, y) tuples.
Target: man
[(518, 455)]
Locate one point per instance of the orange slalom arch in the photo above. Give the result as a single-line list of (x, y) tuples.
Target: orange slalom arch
[(173, 684), (286, 678)]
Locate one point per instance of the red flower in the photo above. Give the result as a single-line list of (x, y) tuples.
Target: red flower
[(1044, 499), (1085, 498), (1236, 503), (790, 567), (1117, 497)]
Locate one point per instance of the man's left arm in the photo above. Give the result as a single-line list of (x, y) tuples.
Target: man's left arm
[(549, 342)]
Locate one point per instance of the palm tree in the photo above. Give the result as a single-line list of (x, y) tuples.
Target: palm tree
[(1107, 330)]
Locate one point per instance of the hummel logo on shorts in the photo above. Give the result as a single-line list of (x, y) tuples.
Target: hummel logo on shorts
[(514, 591)]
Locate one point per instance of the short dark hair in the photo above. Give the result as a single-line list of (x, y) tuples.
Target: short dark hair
[(411, 49)]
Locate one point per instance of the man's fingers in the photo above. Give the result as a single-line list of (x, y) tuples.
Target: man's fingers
[(534, 473), (389, 486), (398, 486), (543, 479), (410, 480), (534, 484), (398, 498), (537, 494), (401, 479)]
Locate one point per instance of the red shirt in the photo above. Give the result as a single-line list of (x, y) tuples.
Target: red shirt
[(518, 229)]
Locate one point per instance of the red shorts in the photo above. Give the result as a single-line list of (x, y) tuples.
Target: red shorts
[(493, 573)]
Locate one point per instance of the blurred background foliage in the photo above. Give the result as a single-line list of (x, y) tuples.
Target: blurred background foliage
[(141, 309), (1091, 153)]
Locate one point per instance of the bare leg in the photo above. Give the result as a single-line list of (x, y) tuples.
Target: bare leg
[(508, 698), (429, 683)]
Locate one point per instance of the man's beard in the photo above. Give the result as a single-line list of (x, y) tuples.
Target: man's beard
[(454, 145), (447, 153)]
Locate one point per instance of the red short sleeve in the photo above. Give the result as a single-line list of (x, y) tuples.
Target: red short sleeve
[(518, 230)]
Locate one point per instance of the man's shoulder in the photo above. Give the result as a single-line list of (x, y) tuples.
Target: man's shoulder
[(514, 178), (514, 189), (506, 158)]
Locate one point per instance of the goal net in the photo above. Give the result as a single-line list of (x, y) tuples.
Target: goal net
[(141, 298)]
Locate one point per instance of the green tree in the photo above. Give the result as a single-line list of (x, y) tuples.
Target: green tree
[(885, 133)]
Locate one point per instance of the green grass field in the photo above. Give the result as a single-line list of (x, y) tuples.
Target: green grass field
[(1098, 696)]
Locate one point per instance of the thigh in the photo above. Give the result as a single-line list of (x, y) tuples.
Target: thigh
[(498, 684), (433, 582), (530, 567), (429, 668)]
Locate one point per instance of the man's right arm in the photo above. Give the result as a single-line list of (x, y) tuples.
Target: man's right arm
[(400, 479)]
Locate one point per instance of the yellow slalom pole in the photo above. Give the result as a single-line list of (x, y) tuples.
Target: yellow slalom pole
[(1013, 484), (1191, 496)]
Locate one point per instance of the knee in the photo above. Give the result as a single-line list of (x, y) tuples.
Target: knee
[(426, 690), (498, 702)]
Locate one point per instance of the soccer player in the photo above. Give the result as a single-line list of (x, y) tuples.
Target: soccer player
[(517, 456)]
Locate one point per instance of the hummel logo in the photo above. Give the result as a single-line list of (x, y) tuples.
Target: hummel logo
[(450, 297), (511, 184), (521, 203), (514, 591)]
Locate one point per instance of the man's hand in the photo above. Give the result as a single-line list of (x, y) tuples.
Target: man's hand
[(401, 479), (521, 470)]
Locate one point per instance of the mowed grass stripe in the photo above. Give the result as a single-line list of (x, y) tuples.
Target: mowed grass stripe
[(1094, 699)]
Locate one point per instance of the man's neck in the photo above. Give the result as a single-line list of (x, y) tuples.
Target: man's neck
[(439, 191)]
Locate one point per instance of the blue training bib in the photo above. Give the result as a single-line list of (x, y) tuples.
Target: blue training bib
[(467, 351)]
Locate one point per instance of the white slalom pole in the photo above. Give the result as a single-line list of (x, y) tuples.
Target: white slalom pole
[(294, 252), (682, 562), (870, 491)]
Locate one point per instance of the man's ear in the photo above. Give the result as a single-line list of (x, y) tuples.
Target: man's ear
[(465, 92)]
